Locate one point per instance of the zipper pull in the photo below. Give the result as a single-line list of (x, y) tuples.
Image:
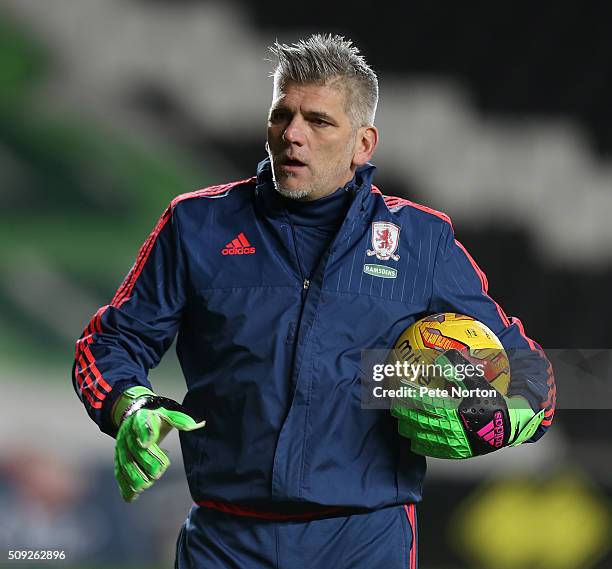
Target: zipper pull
[(306, 284)]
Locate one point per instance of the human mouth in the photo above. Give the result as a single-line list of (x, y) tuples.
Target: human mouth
[(292, 165)]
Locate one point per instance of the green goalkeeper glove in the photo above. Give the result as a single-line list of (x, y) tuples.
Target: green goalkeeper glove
[(463, 428), (144, 419)]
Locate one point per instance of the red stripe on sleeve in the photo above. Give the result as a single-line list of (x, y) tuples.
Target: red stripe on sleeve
[(80, 380), (550, 403), (94, 368), (89, 386), (88, 383), (125, 291), (86, 363), (531, 343), (484, 283), (394, 201), (98, 318), (127, 287), (85, 381)]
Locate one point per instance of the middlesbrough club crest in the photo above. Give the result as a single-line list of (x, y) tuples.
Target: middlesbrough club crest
[(385, 239)]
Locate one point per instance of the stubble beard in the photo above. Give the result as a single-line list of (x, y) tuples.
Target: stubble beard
[(303, 192), (297, 194), (290, 193)]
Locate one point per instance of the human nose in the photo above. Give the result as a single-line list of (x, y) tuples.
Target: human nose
[(294, 132)]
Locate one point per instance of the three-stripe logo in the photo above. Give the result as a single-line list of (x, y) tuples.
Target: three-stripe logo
[(493, 431), (238, 246)]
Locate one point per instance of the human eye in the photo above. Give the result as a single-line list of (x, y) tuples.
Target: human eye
[(278, 115), (319, 122)]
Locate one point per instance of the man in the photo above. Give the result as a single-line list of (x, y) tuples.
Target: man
[(266, 281)]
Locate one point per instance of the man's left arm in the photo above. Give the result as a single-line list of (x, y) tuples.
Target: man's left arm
[(460, 286)]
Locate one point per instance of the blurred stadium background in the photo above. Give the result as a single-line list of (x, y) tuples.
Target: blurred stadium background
[(497, 114)]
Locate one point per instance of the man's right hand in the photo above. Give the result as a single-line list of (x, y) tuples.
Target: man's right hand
[(144, 419)]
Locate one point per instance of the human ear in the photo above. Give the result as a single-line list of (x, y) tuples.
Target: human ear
[(365, 144)]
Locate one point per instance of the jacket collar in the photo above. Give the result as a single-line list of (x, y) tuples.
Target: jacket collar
[(360, 186)]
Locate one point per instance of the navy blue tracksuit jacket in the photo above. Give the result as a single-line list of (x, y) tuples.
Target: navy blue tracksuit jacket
[(271, 356)]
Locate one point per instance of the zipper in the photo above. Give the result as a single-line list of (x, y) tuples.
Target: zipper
[(293, 326), (295, 252), (293, 336), (305, 281)]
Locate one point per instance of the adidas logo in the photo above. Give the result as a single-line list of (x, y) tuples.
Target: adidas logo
[(238, 246), (493, 431)]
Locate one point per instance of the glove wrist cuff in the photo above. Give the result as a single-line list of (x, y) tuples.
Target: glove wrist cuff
[(124, 406), (524, 424)]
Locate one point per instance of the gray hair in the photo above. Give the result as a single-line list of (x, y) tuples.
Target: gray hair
[(322, 59)]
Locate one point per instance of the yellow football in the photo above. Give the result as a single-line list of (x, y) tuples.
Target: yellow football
[(418, 347)]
